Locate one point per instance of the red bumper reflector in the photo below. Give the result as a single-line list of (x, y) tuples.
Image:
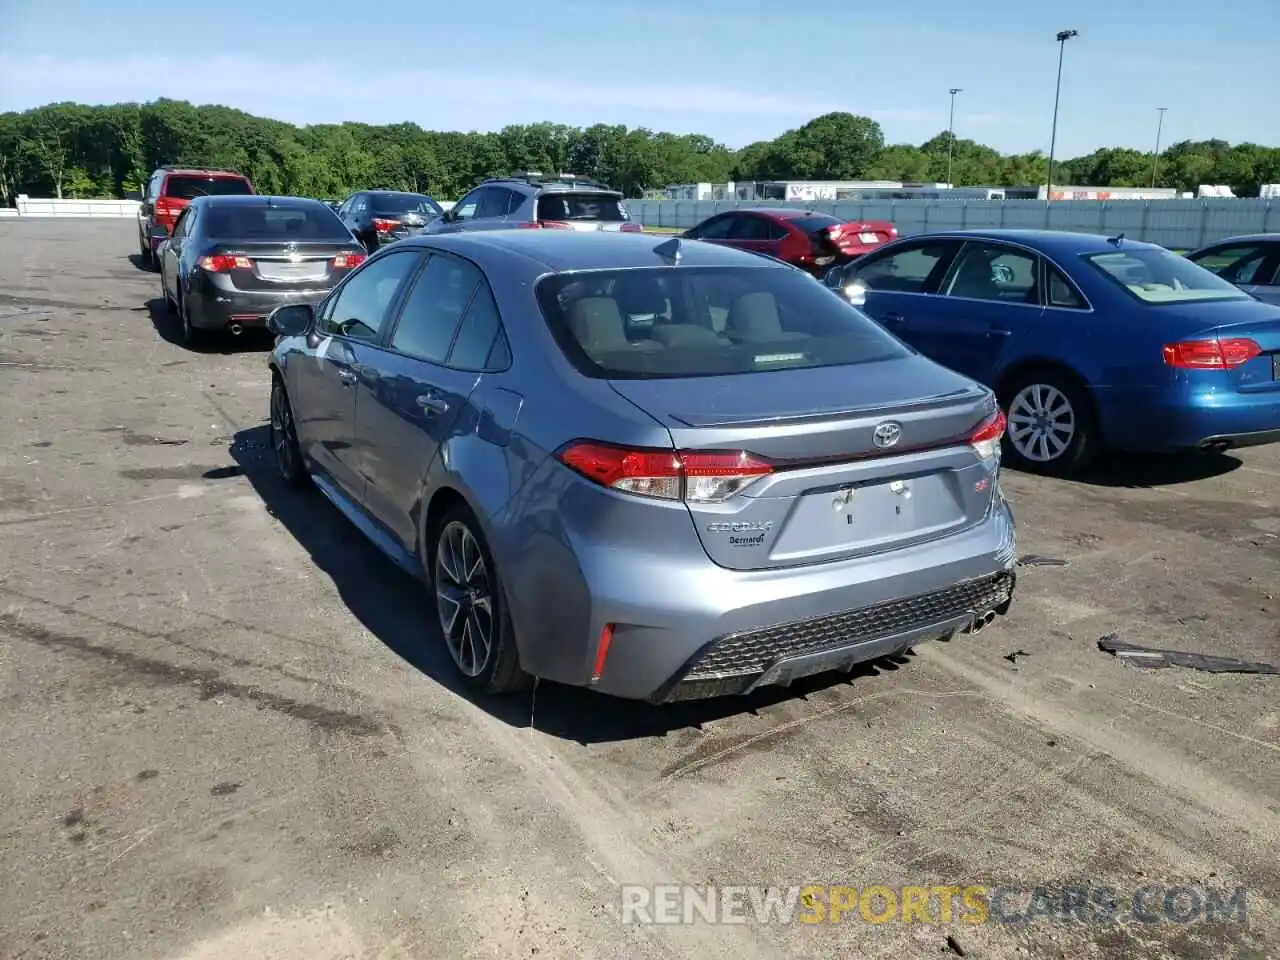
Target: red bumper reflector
[(602, 651)]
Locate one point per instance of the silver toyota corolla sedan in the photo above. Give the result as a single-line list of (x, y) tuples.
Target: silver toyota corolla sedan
[(661, 468)]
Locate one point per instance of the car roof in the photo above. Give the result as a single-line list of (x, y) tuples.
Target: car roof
[(560, 250), (203, 172), (396, 193), (253, 200), (1245, 238), (1060, 242), (786, 213)]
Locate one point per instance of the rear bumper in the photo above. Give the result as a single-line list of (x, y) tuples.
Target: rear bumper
[(213, 307), (1156, 421), (683, 627)]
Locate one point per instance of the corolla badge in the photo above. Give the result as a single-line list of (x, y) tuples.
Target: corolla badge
[(887, 434)]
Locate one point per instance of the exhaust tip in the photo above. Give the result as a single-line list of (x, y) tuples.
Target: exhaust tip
[(236, 329)]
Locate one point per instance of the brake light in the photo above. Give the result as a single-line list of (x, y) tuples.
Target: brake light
[(224, 263), (347, 261), (167, 209), (384, 226), (986, 439), (692, 476), (835, 230), (1211, 354)]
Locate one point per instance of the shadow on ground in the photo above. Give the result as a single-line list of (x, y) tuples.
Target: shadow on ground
[(169, 327), (1147, 470), (396, 609)]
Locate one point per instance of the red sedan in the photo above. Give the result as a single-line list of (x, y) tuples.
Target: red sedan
[(812, 241)]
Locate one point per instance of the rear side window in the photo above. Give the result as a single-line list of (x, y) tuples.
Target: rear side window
[(705, 321), (599, 207), (261, 222), (182, 187)]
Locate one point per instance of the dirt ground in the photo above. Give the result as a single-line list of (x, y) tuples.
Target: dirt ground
[(228, 728)]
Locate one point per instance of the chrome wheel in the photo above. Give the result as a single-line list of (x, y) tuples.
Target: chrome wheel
[(1042, 422), (464, 598)]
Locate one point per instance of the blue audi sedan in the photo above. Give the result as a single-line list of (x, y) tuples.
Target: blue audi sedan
[(1091, 343)]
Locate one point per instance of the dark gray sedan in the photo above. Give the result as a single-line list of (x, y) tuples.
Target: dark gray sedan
[(664, 469)]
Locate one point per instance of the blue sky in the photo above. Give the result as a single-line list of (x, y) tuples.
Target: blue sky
[(738, 70)]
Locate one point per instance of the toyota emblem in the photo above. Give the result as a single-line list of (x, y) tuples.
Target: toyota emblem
[(887, 434)]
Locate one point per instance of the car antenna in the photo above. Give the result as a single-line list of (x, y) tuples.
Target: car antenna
[(669, 249), (1115, 241)]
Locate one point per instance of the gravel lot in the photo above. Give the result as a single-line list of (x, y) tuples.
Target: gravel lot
[(228, 728)]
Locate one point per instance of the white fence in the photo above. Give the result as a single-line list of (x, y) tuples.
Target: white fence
[(1177, 224), (37, 207)]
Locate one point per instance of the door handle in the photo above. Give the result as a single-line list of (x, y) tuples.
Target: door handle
[(347, 375), (430, 403), (893, 318), (998, 332)]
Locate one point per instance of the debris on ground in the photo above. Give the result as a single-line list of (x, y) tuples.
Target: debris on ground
[(1013, 657), (1159, 659), (955, 946), (1035, 560)]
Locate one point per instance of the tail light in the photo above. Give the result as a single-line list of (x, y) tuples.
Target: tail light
[(167, 210), (224, 263), (986, 439), (384, 226), (691, 476), (1211, 354), (834, 231), (348, 261), (631, 228)]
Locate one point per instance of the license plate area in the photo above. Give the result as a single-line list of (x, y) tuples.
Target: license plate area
[(292, 272), (869, 515), (868, 238)]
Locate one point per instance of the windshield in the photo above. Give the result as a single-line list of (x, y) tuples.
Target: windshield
[(705, 321), (188, 188), (405, 203), (253, 221), (1160, 276), (601, 207)]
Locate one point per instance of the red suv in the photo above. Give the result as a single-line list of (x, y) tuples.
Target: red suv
[(167, 194), (814, 242)]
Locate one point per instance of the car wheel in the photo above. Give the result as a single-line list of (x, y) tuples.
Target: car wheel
[(284, 438), (472, 607), (144, 251), (192, 336), (1051, 428)]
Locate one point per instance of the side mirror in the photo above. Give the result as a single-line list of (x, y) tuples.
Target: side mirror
[(291, 320), (834, 278)]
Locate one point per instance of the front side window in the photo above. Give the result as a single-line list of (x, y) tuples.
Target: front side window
[(905, 270), (360, 308), (667, 322), (466, 207), (717, 228), (1238, 264), (1154, 275)]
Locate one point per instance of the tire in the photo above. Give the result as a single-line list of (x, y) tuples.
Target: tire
[(1051, 424), (284, 438), (463, 590), (191, 336)]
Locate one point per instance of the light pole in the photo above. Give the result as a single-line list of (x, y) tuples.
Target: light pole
[(951, 131), (1155, 157), (1063, 37)]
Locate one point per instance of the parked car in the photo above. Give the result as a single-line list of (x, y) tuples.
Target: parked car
[(737, 480), (532, 200), (1090, 342), (811, 241), (166, 195), (379, 217), (232, 260), (1251, 263)]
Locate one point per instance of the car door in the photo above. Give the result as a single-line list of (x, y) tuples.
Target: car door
[(893, 285), (751, 232), (988, 300), (323, 385), (441, 344), (171, 253)]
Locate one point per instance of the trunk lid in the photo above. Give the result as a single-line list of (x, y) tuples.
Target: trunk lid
[(834, 492), (280, 266)]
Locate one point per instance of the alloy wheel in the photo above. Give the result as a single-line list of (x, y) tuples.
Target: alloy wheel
[(464, 598), (282, 432), (1042, 422)]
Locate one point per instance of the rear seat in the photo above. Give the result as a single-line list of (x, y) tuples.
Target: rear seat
[(597, 325)]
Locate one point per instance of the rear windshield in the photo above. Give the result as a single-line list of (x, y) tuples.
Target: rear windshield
[(188, 188), (814, 222), (1161, 276), (661, 322), (276, 222), (598, 207), (405, 203)]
